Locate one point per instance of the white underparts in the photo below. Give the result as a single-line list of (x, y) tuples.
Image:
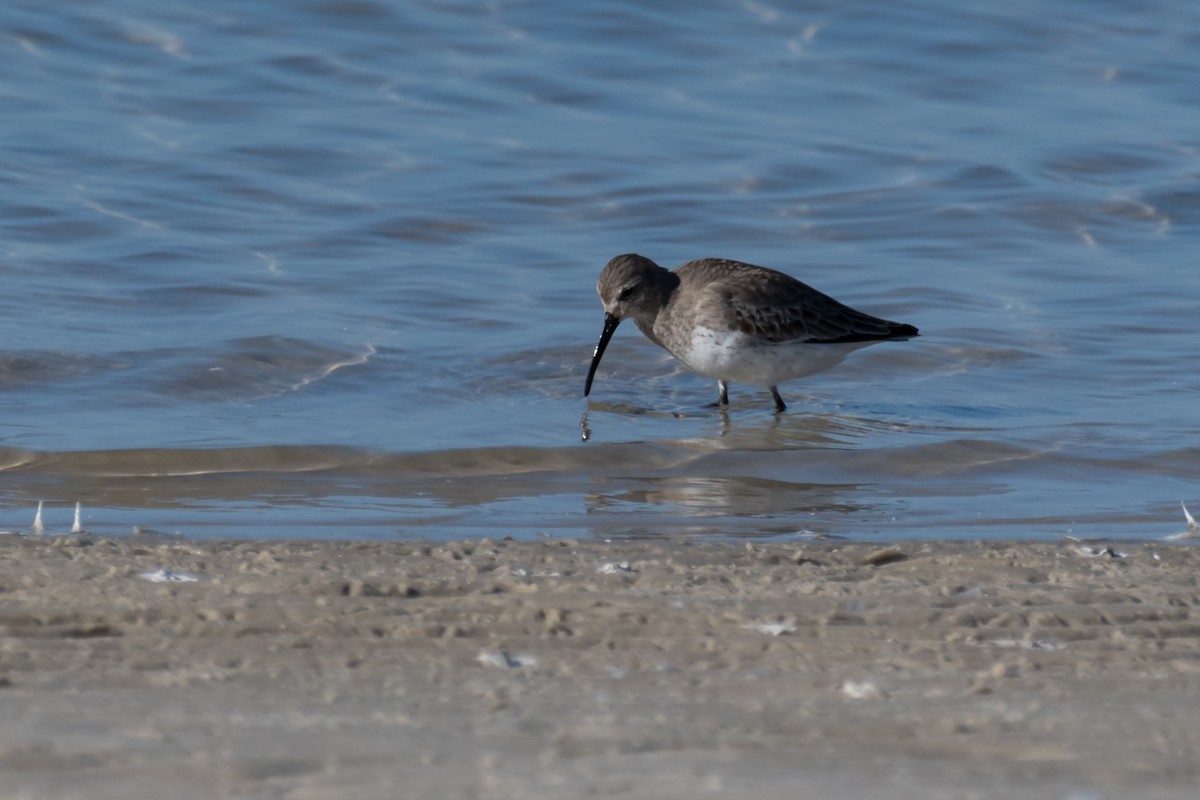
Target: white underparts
[(733, 356)]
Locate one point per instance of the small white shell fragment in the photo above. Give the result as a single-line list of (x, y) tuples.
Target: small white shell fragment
[(861, 690), (77, 526), (501, 658), (167, 576), (771, 628), (615, 567), (37, 527), (1094, 552), (1193, 527), (1024, 644)]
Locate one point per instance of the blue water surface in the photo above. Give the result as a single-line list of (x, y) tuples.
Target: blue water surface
[(326, 268)]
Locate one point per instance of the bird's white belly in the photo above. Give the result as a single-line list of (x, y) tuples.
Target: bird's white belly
[(738, 358)]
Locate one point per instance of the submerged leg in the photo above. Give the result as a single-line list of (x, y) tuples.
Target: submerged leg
[(780, 406), (724, 400)]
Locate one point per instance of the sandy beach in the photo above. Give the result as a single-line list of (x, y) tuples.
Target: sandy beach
[(551, 669)]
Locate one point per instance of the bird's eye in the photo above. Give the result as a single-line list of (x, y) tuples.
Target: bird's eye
[(626, 293)]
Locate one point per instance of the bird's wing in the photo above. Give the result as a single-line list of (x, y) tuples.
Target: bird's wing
[(778, 308)]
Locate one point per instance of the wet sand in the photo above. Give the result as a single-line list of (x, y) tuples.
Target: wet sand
[(669, 669)]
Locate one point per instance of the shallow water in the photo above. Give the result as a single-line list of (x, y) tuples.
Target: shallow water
[(327, 269)]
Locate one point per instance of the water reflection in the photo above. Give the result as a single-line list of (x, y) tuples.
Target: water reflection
[(734, 496)]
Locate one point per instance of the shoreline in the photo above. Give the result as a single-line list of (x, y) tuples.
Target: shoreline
[(673, 668)]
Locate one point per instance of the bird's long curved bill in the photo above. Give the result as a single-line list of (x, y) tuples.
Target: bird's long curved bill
[(610, 326)]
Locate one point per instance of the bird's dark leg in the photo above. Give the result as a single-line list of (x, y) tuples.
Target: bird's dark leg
[(724, 399), (780, 406)]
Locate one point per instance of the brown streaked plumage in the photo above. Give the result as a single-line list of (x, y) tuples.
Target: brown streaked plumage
[(733, 321)]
